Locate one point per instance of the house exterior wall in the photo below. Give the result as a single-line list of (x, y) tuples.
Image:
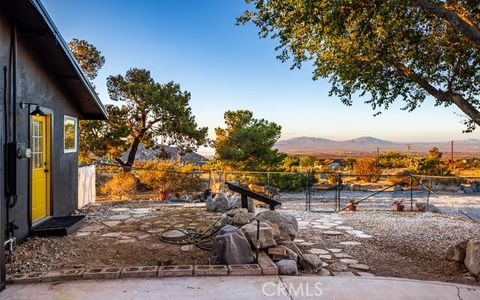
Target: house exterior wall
[(36, 83)]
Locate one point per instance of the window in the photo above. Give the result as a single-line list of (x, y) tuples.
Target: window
[(37, 145), (69, 134)]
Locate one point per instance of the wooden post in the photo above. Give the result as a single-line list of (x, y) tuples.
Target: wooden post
[(244, 201)]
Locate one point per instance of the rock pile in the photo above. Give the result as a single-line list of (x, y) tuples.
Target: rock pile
[(276, 233), (467, 252), (231, 247), (223, 203)]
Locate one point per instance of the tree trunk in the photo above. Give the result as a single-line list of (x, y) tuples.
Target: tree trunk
[(133, 152), (179, 156), (461, 23)]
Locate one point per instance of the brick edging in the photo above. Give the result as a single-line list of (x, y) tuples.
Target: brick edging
[(138, 272)]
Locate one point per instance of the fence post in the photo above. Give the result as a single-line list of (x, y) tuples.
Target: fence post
[(307, 193), (339, 186), (224, 180), (411, 193), (210, 180)]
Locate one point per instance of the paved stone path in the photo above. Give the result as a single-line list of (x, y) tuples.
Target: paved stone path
[(245, 287), (335, 259)]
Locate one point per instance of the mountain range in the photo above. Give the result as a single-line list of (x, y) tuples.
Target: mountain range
[(154, 152), (367, 145)]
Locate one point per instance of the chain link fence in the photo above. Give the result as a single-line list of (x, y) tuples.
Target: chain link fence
[(311, 191)]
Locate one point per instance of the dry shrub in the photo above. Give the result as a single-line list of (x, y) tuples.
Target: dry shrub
[(122, 186), (367, 170), (400, 177), (166, 177)]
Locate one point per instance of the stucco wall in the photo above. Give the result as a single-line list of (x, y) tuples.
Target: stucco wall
[(35, 83)]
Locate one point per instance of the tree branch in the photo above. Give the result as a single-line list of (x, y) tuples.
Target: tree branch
[(465, 106), (461, 23)]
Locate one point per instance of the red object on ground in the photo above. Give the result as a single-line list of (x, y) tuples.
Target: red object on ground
[(399, 205)]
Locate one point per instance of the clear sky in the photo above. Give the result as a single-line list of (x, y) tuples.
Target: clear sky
[(226, 67)]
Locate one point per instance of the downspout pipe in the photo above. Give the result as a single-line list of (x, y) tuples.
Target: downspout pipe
[(11, 140)]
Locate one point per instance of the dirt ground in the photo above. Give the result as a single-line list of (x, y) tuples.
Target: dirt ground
[(407, 245), (137, 243)]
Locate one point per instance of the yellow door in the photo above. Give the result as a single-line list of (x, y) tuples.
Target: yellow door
[(40, 167)]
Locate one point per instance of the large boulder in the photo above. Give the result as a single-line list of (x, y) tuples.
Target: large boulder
[(225, 220), (284, 227), (221, 203), (457, 252), (423, 207), (251, 205), (210, 203), (472, 256), (310, 262), (235, 201), (265, 239), (234, 211), (231, 247), (242, 218), (287, 267)]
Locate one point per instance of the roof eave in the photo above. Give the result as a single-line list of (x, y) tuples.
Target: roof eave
[(78, 70)]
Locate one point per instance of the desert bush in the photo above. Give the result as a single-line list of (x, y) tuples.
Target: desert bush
[(167, 177), (399, 177), (122, 186), (392, 159), (283, 181), (327, 173), (286, 181), (367, 170)]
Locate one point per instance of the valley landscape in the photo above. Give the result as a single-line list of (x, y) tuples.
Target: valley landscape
[(367, 146)]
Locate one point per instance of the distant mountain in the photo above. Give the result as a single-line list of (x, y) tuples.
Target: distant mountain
[(154, 153), (368, 144), (304, 140), (368, 140)]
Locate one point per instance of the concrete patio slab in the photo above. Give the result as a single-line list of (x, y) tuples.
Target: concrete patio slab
[(245, 287)]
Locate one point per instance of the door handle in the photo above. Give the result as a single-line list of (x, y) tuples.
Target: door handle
[(45, 170)]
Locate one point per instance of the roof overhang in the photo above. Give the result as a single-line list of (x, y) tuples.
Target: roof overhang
[(43, 36)]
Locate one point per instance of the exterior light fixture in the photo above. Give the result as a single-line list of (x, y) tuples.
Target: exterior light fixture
[(36, 112)]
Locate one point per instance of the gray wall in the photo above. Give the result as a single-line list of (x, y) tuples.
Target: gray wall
[(35, 83)]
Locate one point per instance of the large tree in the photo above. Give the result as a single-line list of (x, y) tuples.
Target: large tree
[(153, 113), (247, 143), (383, 49), (91, 61)]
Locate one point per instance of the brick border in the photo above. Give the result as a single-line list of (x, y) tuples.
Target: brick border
[(141, 272), (175, 271)]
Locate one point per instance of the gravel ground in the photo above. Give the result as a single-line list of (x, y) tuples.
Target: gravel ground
[(450, 203), (406, 245)]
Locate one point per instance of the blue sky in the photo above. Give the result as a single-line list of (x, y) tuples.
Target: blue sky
[(227, 67)]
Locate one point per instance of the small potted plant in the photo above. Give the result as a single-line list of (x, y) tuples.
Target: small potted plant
[(352, 206), (399, 205)]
